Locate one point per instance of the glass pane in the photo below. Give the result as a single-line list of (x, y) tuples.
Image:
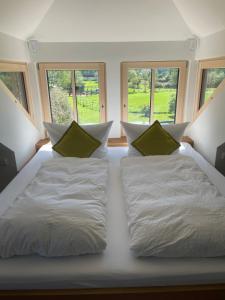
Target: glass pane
[(211, 79), (139, 83), (165, 96), (60, 95), (87, 95), (15, 83)]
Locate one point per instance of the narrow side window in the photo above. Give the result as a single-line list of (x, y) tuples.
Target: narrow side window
[(14, 78), (211, 78)]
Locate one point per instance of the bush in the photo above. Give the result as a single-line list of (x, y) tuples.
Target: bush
[(146, 111), (61, 109), (172, 104)]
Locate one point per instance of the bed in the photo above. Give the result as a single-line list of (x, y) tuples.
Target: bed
[(115, 272)]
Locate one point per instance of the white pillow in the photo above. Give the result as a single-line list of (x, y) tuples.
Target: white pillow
[(133, 131), (98, 131)]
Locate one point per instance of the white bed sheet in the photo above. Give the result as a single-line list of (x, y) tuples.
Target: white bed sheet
[(116, 267)]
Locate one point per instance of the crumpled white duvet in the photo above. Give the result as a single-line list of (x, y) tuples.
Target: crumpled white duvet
[(173, 210), (60, 213)]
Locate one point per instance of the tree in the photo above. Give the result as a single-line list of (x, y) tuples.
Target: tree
[(61, 109), (79, 80), (172, 104), (134, 79), (63, 79), (215, 77), (146, 111), (146, 77)]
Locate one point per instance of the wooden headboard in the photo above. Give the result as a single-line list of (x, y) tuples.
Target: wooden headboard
[(8, 168)]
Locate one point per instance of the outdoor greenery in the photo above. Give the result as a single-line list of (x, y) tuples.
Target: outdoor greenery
[(212, 78), (14, 81), (215, 77), (87, 96), (60, 107), (139, 84), (164, 104)]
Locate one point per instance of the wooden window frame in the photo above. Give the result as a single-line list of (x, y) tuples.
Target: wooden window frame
[(181, 65), (9, 66), (44, 67), (202, 65)]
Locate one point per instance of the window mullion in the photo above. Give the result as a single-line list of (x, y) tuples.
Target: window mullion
[(75, 113), (152, 93)]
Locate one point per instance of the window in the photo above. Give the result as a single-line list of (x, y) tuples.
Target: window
[(14, 77), (211, 76), (153, 91), (73, 91)]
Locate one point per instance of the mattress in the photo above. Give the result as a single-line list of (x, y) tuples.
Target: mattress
[(116, 267)]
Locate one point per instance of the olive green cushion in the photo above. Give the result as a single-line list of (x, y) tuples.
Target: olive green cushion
[(76, 142), (155, 141)]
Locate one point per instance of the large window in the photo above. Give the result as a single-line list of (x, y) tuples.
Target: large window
[(14, 77), (73, 91), (153, 91), (211, 77)]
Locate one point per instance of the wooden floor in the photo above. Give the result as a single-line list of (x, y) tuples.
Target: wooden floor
[(198, 292), (122, 142), (117, 142), (113, 142)]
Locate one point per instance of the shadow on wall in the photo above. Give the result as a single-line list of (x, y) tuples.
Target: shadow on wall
[(207, 130), (17, 132)]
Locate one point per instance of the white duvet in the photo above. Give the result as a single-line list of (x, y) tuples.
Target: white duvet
[(173, 210), (61, 212)]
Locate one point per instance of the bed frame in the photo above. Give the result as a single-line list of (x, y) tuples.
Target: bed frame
[(183, 292), (190, 292)]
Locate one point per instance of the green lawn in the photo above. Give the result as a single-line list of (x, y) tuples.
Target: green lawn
[(208, 93), (90, 84), (88, 107), (137, 101)]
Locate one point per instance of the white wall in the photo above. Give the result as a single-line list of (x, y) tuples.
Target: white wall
[(190, 91), (112, 54), (208, 131), (16, 130), (211, 46), (13, 49)]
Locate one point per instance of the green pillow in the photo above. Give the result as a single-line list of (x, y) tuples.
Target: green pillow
[(76, 142), (155, 141)]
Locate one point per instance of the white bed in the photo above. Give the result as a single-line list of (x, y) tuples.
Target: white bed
[(116, 267)]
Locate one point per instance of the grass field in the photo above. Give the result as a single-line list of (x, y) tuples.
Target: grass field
[(88, 109), (88, 105), (208, 93), (137, 101)]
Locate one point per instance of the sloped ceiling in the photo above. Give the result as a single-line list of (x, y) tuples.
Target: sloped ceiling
[(111, 20), (203, 17), (20, 18)]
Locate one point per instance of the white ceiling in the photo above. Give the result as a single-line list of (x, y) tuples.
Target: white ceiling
[(111, 20), (203, 17), (20, 18)]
